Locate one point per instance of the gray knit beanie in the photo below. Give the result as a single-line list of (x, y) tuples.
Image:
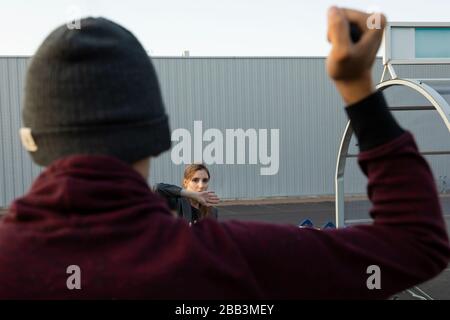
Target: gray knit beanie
[(93, 90)]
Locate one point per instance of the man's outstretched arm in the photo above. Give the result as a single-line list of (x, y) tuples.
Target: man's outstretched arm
[(407, 242)]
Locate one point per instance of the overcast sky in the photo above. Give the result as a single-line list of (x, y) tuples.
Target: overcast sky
[(205, 28)]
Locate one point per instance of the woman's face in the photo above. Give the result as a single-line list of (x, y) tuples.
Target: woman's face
[(198, 182)]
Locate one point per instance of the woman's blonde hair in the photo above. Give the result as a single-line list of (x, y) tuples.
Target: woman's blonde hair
[(189, 172)]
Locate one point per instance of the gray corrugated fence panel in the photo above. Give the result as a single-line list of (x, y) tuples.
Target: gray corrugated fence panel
[(9, 79), (293, 95), (16, 170), (4, 134)]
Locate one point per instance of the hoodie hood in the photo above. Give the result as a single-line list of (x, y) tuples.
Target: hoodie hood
[(87, 188)]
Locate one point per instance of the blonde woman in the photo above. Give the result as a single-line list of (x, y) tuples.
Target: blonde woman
[(192, 201)]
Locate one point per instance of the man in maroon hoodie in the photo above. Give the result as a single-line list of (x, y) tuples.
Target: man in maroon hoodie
[(90, 227)]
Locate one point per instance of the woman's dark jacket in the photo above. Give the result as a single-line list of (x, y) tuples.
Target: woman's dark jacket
[(181, 204)]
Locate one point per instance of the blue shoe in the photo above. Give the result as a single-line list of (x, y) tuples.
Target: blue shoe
[(329, 225), (306, 224)]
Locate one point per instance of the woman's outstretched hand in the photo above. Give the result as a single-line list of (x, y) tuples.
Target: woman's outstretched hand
[(206, 198)]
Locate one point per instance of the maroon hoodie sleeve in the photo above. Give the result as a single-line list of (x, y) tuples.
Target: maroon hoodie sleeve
[(407, 240)]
